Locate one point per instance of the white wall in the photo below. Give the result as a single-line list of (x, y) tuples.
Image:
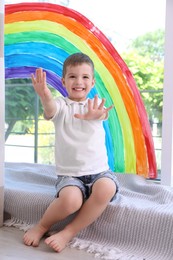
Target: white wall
[(1, 110), (167, 123)]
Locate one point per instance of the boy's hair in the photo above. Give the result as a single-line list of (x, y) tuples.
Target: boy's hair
[(77, 59)]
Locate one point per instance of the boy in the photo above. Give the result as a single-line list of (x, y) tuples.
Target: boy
[(85, 184)]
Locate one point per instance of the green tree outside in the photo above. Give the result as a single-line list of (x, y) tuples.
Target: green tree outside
[(145, 59)]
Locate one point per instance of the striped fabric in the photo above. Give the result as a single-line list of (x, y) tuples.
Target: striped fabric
[(136, 226)]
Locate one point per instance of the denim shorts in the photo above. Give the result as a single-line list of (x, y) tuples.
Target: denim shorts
[(85, 183)]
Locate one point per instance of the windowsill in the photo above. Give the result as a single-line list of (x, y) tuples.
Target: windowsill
[(154, 181)]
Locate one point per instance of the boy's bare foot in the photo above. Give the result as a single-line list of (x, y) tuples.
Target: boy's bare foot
[(32, 236), (59, 240)]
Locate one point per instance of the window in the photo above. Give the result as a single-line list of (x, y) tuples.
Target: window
[(29, 138)]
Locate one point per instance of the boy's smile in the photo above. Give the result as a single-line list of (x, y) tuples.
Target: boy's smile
[(78, 89)]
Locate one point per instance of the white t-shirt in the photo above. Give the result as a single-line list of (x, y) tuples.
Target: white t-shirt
[(79, 144)]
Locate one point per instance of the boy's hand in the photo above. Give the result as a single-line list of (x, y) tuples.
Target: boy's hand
[(95, 111), (40, 85)]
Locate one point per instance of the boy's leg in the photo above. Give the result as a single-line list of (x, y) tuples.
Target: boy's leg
[(69, 201), (102, 192)]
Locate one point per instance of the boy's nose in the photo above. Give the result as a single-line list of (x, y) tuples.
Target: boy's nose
[(79, 80)]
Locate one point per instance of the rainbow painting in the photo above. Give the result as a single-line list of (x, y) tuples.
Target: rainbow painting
[(44, 35)]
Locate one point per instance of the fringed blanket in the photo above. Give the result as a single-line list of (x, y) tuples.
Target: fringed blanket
[(136, 226)]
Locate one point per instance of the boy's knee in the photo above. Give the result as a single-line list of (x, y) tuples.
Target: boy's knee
[(72, 201), (73, 205), (104, 191)]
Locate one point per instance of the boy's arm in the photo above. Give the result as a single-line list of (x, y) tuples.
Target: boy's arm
[(40, 86)]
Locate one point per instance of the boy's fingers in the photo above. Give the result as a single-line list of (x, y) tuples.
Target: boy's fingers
[(39, 74), (90, 102), (95, 104), (79, 116), (44, 76), (102, 104), (33, 79), (32, 76), (109, 108)]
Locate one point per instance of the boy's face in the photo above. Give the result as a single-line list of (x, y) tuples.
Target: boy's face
[(78, 81)]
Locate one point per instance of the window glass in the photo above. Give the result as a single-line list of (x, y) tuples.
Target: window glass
[(136, 29)]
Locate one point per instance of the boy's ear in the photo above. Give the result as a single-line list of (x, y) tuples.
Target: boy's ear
[(63, 82)]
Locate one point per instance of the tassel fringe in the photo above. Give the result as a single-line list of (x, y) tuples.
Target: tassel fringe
[(102, 252), (21, 225)]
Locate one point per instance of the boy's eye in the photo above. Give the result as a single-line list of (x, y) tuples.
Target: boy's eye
[(86, 77), (72, 76)]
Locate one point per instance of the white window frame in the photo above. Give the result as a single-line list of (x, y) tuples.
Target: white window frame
[(167, 116)]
